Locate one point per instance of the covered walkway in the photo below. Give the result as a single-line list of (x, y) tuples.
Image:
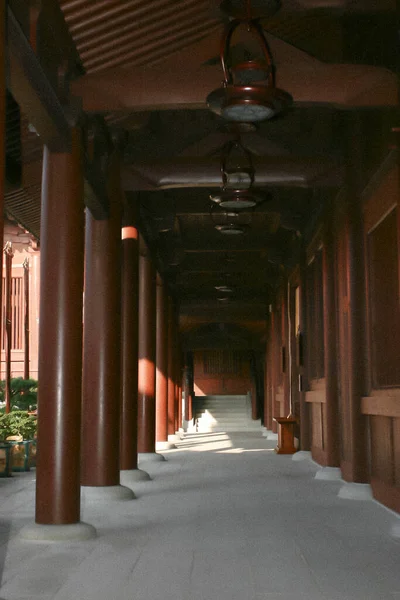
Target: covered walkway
[(224, 518)]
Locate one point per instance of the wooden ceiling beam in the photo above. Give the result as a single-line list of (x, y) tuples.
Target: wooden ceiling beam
[(184, 79), (32, 90), (185, 172)]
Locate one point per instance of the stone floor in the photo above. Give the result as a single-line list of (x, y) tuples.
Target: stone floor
[(224, 519)]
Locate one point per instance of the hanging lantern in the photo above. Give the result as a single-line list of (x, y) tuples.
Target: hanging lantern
[(248, 93), (238, 175), (230, 223)]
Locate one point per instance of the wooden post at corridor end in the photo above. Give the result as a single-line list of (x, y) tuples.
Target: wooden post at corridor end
[(129, 346), (162, 367), (147, 357)]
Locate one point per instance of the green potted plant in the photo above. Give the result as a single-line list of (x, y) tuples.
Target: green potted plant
[(18, 430), (5, 459), (23, 393)]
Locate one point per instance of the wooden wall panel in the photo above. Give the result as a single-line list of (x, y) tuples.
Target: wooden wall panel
[(280, 409), (17, 355), (382, 459), (381, 227), (343, 347), (396, 452), (316, 398), (385, 460), (224, 383), (383, 278), (317, 429)]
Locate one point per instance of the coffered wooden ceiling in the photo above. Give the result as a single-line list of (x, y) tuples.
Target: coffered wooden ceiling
[(147, 67)]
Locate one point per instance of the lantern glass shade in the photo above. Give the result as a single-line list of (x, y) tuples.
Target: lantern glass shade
[(249, 72), (230, 229), (236, 200), (237, 203), (238, 179), (251, 113)]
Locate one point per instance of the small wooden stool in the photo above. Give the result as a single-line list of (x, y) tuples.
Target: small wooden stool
[(285, 435)]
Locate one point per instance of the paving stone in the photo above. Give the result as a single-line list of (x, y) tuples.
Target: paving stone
[(224, 518)]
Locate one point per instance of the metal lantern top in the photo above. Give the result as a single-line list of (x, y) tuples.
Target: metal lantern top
[(248, 93)]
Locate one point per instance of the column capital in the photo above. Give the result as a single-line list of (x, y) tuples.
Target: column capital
[(129, 233)]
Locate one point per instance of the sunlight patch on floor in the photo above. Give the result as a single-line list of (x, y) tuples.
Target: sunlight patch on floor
[(208, 443), (242, 450)]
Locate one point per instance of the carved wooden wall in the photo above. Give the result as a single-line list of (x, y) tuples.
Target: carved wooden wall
[(315, 393), (382, 405), (224, 372)]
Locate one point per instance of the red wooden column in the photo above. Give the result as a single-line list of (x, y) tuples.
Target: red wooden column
[(7, 324), (179, 411), (26, 318), (180, 403), (268, 383), (129, 347), (101, 351), (276, 360), (305, 429), (178, 377), (330, 348), (285, 350), (172, 437), (187, 390), (189, 405), (355, 463), (60, 350), (147, 357), (3, 115), (162, 367)]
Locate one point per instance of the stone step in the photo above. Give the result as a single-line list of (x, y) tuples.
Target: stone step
[(209, 415), (223, 402), (223, 405), (223, 397), (220, 429), (215, 412), (227, 417), (225, 408)]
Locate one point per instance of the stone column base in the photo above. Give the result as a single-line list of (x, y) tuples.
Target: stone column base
[(74, 532), (329, 474), (301, 455), (144, 457), (395, 530), (174, 438), (355, 491), (106, 493), (132, 476)]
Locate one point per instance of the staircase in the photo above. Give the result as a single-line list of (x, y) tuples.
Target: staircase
[(225, 413)]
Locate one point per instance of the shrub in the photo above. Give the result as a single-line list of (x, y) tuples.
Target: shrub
[(18, 422), (23, 393)]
